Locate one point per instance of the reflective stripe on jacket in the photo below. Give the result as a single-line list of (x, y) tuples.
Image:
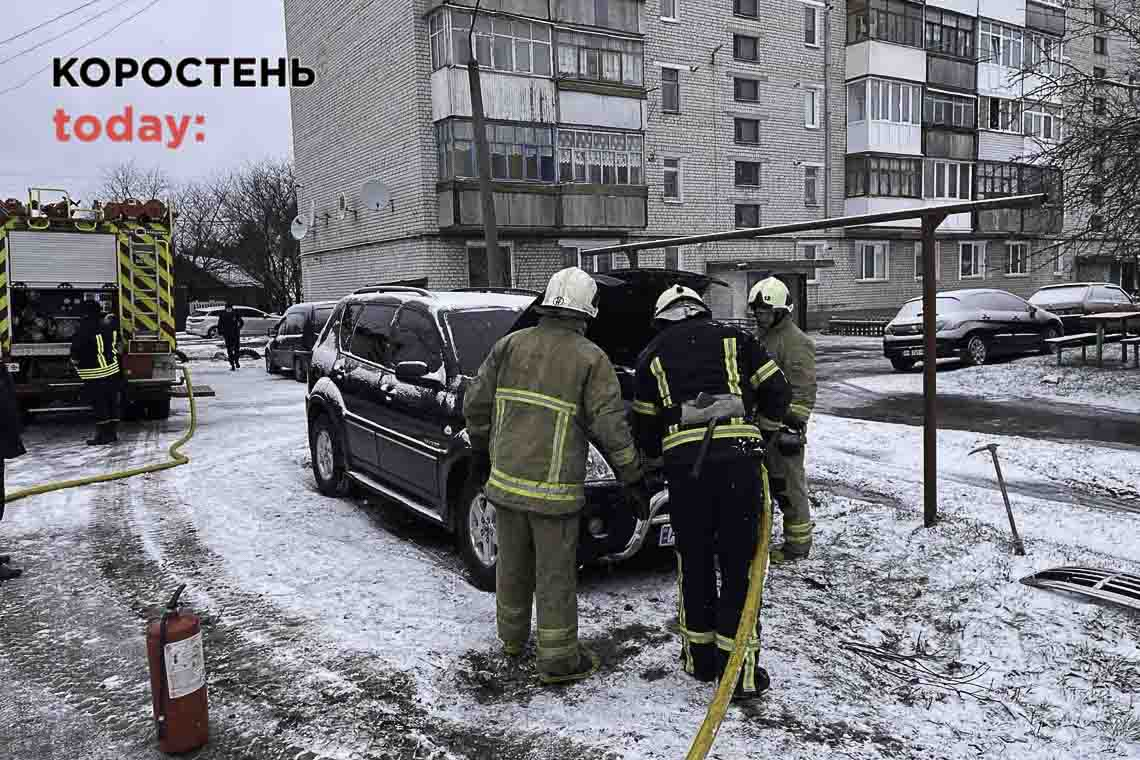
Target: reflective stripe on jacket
[(795, 353), (540, 396), (701, 355), (94, 351)]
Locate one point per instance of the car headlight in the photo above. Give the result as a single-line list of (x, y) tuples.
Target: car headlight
[(597, 468), (889, 330)]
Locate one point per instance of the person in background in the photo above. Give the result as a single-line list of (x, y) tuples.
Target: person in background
[(10, 447), (230, 324)]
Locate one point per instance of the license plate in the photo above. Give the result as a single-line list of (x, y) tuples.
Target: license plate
[(913, 352), (666, 538), (14, 368)]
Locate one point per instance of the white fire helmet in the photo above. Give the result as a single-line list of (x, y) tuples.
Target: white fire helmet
[(769, 293), (574, 290), (678, 302)]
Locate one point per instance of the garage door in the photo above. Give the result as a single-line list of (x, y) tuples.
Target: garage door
[(45, 259)]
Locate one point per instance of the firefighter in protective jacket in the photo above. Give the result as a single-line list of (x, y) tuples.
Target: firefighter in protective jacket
[(707, 397), (96, 358), (795, 353), (540, 396)]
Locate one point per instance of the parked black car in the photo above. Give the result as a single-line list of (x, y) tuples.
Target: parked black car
[(385, 405), (973, 324), (291, 340), (1072, 300)]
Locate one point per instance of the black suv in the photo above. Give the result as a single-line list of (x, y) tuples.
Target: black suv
[(291, 340), (385, 405)]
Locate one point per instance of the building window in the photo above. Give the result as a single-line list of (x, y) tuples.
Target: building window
[(518, 152), (747, 8), (810, 252), (811, 25), (884, 100), (747, 215), (503, 44), (603, 262), (888, 20), (811, 107), (1098, 106), (437, 31), (600, 58), (1099, 72), (1096, 195), (1000, 114), (920, 264), (973, 260), (1096, 222), (477, 265), (885, 177), (1000, 44), (1044, 121), (947, 180), (1059, 263), (948, 111), (813, 185), (1043, 54), (1016, 259), (747, 131), (670, 91), (745, 48), (669, 9), (746, 90), (873, 261), (949, 33), (950, 72), (600, 158), (672, 179), (1100, 45), (748, 174), (672, 257)]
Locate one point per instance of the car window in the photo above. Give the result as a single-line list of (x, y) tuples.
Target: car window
[(247, 313), (1074, 294), (1101, 293), (1007, 302), (1119, 296), (475, 331), (415, 338), (279, 328), (321, 316), (294, 323), (371, 339), (330, 334), (942, 305)]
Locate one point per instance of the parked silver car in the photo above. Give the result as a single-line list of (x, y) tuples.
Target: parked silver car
[(972, 325), (1072, 300), (204, 322)]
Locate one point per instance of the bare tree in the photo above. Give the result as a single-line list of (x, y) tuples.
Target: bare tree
[(1099, 150), (128, 180), (201, 233)]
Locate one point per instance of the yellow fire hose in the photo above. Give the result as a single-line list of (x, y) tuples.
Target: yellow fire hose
[(703, 741), (177, 458)]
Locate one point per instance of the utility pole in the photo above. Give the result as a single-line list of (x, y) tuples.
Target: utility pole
[(496, 269), (930, 254)]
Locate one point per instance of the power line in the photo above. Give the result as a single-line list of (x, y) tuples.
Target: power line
[(64, 33), (91, 41), (49, 21)]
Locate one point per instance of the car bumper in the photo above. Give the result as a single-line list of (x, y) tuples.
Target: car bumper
[(610, 532), (200, 330), (913, 347)]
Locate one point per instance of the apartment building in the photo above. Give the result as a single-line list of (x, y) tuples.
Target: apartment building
[(623, 120)]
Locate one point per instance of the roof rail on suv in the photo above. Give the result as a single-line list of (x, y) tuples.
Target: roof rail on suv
[(508, 291), (391, 289)]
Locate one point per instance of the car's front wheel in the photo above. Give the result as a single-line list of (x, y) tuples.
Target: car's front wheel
[(327, 451), (1050, 332), (298, 370), (901, 363), (977, 350), (478, 536), (212, 333), (269, 362)]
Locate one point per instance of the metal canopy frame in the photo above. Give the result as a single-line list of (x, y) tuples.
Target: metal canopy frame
[(931, 217)]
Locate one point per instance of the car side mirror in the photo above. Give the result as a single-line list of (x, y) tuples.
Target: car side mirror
[(412, 371)]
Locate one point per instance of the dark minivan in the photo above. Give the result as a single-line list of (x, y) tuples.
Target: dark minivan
[(290, 346)]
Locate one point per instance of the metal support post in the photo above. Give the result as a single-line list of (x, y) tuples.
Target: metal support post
[(929, 367)]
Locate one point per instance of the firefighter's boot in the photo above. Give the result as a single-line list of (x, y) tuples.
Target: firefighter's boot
[(112, 432), (101, 435), (588, 664), (9, 573), (5, 559), (797, 543)]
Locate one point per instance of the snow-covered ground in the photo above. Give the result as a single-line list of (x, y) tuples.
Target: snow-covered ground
[(338, 626)]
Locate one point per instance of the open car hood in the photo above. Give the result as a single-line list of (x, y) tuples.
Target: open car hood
[(626, 298)]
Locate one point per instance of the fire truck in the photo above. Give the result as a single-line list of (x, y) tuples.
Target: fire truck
[(54, 255)]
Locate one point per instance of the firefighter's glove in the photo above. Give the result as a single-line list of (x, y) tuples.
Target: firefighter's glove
[(638, 495), (480, 469), (790, 442)]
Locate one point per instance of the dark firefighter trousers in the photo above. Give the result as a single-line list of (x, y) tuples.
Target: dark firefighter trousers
[(716, 519), (104, 395)]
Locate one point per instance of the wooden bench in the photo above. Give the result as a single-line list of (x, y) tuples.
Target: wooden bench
[(1133, 341), (1083, 340)]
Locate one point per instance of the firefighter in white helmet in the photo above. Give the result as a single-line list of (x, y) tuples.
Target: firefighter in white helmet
[(706, 393), (540, 396), (795, 353)]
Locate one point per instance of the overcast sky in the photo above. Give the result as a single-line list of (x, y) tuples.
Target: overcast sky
[(241, 124)]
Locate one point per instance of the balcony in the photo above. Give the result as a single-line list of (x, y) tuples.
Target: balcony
[(539, 208)]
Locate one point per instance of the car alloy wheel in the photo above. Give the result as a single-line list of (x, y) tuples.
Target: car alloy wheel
[(481, 531), (977, 349), (326, 461), (1048, 348), (212, 333)]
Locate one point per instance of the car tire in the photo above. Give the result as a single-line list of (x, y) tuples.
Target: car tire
[(902, 363), (478, 542), (326, 447), (212, 334), (269, 368), (1050, 332), (298, 370), (976, 351)]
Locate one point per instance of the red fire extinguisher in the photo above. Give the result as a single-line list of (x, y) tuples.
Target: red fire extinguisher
[(178, 678)]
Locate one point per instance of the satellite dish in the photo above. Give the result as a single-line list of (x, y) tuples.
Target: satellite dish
[(375, 195), (299, 228)]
